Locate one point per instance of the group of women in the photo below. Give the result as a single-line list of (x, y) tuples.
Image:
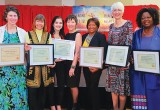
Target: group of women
[(26, 87)]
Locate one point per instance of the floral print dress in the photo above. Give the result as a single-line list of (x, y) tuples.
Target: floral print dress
[(117, 80), (13, 91)]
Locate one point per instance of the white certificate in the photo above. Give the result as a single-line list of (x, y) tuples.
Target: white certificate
[(117, 55), (41, 54), (11, 54), (147, 61), (91, 56), (64, 49)]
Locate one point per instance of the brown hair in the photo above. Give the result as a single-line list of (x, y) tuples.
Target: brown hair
[(8, 9), (95, 20), (70, 17), (42, 18)]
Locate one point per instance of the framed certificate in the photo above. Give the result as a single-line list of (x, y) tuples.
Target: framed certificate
[(91, 56), (11, 54), (41, 54), (117, 55), (146, 61), (64, 49)]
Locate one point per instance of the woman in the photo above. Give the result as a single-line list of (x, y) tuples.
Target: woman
[(40, 79), (145, 87), (72, 67), (13, 93), (92, 75), (120, 33), (57, 32)]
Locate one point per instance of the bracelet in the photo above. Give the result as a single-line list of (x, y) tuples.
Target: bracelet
[(73, 67)]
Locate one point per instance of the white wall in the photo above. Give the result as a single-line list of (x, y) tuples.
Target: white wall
[(35, 2), (146, 2), (2, 2), (68, 2)]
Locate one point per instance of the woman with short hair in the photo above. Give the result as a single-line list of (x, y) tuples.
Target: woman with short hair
[(120, 33)]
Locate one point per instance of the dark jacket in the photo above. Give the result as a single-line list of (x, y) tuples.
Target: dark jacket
[(98, 40)]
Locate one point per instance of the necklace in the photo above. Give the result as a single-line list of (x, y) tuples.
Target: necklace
[(12, 32), (149, 32)]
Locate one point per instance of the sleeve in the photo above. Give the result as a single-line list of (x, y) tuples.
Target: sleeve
[(109, 34), (50, 39), (129, 34), (103, 43)]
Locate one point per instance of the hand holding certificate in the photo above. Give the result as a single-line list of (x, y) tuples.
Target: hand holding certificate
[(91, 56), (147, 61), (64, 49), (11, 54), (41, 54)]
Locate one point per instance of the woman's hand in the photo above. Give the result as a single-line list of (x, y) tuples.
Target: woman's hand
[(125, 68), (58, 60), (27, 47), (93, 69), (52, 66), (71, 72)]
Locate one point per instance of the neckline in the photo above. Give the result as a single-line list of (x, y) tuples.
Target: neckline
[(121, 25)]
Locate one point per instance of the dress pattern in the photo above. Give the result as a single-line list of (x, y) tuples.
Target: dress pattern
[(117, 80), (13, 92)]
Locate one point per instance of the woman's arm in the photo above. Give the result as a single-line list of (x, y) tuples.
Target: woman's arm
[(78, 43)]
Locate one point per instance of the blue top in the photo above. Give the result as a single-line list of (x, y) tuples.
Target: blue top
[(148, 43)]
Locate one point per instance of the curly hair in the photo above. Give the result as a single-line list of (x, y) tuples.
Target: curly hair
[(152, 11), (8, 9)]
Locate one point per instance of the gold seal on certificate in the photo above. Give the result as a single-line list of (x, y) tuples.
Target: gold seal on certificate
[(11, 54), (147, 61), (41, 54), (91, 56), (117, 55), (64, 49)]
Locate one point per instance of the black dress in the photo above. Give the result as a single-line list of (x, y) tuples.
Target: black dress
[(74, 80)]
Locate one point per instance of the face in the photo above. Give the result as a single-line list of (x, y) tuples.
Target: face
[(117, 13), (146, 20), (71, 24), (39, 24), (58, 24), (92, 27), (12, 17)]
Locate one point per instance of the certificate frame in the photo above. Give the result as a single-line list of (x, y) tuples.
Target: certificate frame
[(87, 54), (41, 54), (117, 50), (12, 54), (60, 45), (146, 61)]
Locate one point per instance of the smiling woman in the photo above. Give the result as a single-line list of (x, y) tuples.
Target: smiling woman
[(146, 86), (92, 74), (13, 93), (120, 33), (40, 79)]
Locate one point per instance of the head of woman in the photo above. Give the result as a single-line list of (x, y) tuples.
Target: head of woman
[(11, 15), (40, 23), (57, 25), (147, 17), (71, 21), (93, 25), (117, 10)]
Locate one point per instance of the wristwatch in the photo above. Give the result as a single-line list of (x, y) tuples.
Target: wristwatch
[(73, 67)]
